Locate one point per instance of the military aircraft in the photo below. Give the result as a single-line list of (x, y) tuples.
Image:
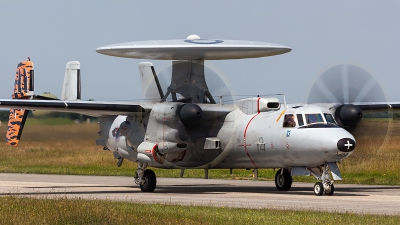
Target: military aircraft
[(184, 127)]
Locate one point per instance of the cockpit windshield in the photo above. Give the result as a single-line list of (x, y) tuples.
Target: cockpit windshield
[(300, 119), (314, 118), (329, 118)]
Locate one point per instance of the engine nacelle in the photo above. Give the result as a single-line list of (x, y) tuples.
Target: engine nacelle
[(173, 135), (171, 147), (348, 116), (148, 152), (190, 114)]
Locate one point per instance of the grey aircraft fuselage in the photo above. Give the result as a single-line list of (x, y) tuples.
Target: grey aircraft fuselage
[(250, 139)]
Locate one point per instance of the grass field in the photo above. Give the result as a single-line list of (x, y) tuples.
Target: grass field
[(377, 155), (14, 210)]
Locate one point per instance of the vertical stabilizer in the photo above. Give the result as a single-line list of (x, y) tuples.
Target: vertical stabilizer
[(23, 86), (151, 88), (71, 90), (23, 89)]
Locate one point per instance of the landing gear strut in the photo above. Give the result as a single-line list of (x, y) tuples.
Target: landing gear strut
[(325, 185), (283, 180), (145, 178)]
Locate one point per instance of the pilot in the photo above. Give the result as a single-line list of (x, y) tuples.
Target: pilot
[(289, 121)]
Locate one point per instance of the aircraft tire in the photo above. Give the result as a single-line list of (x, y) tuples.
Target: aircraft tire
[(318, 189), (283, 181), (149, 181), (330, 192)]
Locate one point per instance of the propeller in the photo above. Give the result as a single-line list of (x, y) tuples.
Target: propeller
[(347, 85)]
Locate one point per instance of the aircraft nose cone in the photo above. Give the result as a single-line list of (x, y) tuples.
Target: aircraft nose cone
[(346, 144)]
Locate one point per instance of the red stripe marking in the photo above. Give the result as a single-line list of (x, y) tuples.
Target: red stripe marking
[(153, 153), (245, 132)]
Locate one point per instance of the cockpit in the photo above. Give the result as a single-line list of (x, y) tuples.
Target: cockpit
[(309, 120)]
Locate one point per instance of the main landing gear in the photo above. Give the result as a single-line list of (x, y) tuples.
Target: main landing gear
[(283, 180), (145, 178)]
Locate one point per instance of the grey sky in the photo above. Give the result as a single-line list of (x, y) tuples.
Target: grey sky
[(320, 33)]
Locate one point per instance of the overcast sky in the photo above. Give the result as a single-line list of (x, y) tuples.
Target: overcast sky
[(320, 34)]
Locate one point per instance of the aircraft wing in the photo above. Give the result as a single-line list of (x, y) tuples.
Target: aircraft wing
[(378, 105), (91, 108)]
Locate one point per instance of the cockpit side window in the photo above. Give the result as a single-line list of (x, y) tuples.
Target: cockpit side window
[(300, 119), (289, 121), (329, 118), (314, 118)]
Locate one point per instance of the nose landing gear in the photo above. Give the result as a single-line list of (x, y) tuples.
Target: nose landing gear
[(326, 188), (325, 185)]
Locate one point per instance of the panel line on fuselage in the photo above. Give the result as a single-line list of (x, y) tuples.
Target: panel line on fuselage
[(245, 132)]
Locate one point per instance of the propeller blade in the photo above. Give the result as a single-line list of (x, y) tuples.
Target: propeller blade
[(352, 84), (345, 83)]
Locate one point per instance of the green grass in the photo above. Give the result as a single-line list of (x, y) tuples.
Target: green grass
[(16, 210)]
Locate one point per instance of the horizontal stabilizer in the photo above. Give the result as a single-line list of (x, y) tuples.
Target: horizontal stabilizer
[(71, 90), (44, 96), (151, 88)]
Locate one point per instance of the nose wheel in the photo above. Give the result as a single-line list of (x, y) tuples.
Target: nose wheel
[(329, 189), (320, 189)]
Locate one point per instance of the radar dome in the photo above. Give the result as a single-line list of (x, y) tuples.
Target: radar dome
[(193, 37)]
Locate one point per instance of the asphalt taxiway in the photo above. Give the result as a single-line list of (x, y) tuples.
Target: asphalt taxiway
[(365, 199)]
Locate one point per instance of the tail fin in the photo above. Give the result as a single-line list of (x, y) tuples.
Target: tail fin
[(72, 82), (23, 89), (151, 87), (24, 80)]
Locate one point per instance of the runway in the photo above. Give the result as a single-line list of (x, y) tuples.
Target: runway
[(364, 199)]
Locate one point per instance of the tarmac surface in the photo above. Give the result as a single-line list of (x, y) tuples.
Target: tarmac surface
[(363, 199)]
